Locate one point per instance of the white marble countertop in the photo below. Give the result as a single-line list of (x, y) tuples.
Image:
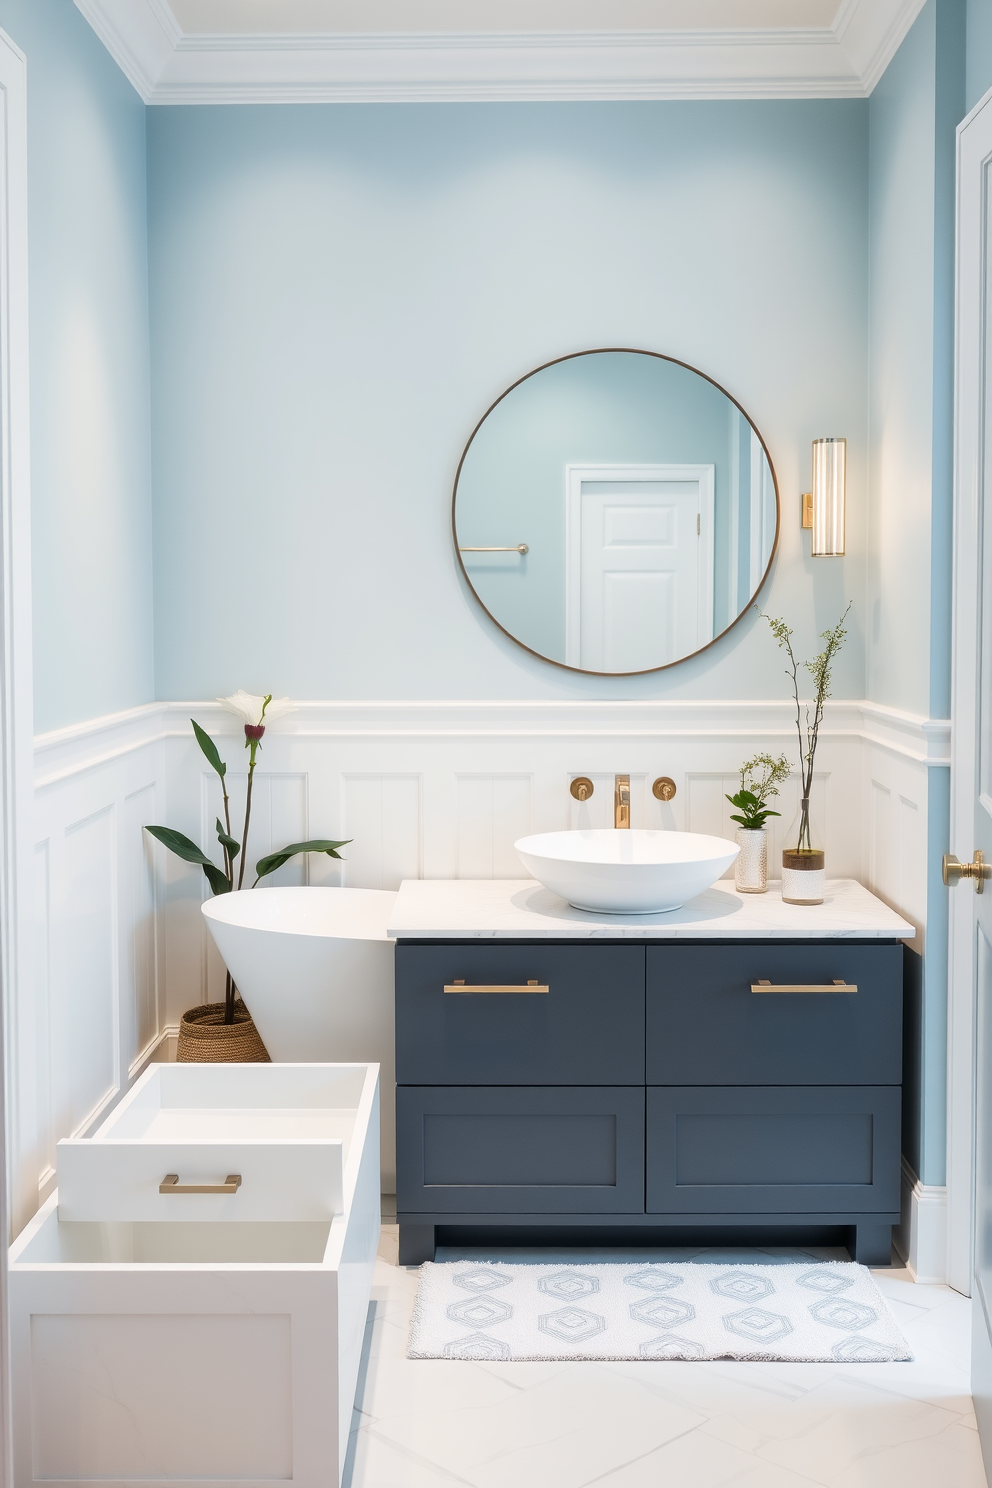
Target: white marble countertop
[(520, 909)]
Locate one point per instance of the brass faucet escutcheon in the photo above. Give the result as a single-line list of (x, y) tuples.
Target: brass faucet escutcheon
[(664, 788), (581, 788)]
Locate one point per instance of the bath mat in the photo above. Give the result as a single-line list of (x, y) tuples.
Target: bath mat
[(811, 1312)]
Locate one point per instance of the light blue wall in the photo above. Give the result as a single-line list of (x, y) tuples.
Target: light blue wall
[(913, 115), (90, 449), (337, 295), (978, 78)]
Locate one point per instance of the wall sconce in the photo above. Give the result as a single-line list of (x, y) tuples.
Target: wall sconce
[(824, 506)]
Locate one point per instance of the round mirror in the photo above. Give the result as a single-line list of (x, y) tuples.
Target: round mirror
[(615, 511)]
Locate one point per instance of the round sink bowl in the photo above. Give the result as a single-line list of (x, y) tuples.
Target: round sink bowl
[(628, 871)]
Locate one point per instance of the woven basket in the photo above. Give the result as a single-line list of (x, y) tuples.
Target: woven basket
[(204, 1037)]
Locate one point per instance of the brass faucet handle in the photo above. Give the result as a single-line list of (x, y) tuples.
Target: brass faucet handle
[(581, 788), (664, 788)]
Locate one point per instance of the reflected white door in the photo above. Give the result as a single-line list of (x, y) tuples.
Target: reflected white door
[(638, 564), (969, 1175)]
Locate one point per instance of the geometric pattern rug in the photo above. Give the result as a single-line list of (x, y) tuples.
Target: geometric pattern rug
[(827, 1311)]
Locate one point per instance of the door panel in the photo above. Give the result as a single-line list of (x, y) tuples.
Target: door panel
[(767, 1150), (497, 1150)]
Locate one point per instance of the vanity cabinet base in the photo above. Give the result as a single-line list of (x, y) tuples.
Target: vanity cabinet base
[(868, 1238)]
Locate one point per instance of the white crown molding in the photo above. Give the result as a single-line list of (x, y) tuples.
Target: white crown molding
[(99, 741), (168, 66)]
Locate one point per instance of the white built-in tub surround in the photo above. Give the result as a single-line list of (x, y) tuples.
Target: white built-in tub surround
[(516, 909)]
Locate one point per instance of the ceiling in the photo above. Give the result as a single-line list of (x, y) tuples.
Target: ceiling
[(251, 51)]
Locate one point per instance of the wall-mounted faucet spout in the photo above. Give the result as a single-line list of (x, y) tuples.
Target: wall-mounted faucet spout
[(621, 801)]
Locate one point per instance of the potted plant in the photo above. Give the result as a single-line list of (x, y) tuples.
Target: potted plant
[(224, 1031), (803, 857), (760, 779)]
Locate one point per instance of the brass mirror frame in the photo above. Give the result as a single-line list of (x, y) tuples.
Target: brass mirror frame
[(571, 357)]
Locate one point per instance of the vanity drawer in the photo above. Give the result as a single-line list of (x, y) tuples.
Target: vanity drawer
[(705, 1026), (777, 1150), (586, 1028), (520, 1151)]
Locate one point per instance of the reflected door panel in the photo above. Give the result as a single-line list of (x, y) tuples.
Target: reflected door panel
[(637, 559)]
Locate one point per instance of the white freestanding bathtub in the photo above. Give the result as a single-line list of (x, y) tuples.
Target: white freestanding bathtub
[(315, 969)]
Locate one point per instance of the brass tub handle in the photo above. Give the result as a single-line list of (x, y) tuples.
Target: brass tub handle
[(530, 987), (170, 1185), (834, 986)]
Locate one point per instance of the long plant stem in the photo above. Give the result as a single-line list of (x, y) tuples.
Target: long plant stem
[(244, 840)]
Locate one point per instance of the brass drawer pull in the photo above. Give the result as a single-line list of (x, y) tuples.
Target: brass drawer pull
[(530, 987), (834, 986), (170, 1185)]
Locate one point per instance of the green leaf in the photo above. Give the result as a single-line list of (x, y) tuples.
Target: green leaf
[(233, 847), (209, 748), (190, 853), (275, 860), (180, 845), (216, 879)]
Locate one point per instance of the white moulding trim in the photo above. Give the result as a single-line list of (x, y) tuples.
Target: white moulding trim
[(69, 751), (921, 1236), (168, 66)]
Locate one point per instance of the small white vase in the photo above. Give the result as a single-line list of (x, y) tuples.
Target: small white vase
[(751, 867)]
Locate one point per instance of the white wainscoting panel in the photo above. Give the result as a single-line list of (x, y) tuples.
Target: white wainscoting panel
[(99, 981), (424, 789)]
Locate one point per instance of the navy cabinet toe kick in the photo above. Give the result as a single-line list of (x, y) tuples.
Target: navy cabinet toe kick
[(548, 1088)]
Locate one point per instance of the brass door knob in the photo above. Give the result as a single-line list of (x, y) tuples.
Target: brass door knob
[(977, 870), (581, 788), (663, 788)]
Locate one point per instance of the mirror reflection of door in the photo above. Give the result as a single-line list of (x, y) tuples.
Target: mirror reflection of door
[(638, 565), (615, 511)]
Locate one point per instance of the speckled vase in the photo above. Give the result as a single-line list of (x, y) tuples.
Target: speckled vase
[(751, 867)]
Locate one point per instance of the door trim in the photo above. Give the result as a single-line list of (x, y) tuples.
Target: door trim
[(972, 252), (660, 471)]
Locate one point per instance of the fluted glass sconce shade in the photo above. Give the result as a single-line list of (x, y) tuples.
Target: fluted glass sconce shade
[(829, 497)]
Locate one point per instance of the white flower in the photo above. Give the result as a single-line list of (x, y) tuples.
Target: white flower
[(249, 709)]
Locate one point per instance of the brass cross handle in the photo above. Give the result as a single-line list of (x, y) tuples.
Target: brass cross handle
[(977, 869)]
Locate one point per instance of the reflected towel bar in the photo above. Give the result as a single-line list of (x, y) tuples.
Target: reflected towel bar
[(170, 1185), (520, 548)]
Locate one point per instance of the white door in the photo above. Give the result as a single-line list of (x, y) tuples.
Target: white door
[(638, 564), (970, 987)]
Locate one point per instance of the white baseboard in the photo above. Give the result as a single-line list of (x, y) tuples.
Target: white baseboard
[(921, 1237)]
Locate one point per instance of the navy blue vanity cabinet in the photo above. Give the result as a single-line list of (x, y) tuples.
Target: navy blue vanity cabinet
[(649, 1088)]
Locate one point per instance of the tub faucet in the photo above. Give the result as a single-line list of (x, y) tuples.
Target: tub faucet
[(621, 801)]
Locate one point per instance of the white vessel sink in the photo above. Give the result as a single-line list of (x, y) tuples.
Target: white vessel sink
[(628, 871)]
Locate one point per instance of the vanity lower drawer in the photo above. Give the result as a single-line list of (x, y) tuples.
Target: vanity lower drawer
[(519, 1151), (778, 1150), (705, 1026), (585, 1028)]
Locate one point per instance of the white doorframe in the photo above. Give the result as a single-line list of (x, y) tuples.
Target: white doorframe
[(16, 723), (971, 310), (574, 477)]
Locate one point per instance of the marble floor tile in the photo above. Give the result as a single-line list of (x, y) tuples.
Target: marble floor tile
[(636, 1424)]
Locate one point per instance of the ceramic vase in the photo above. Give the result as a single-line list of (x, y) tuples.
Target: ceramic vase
[(751, 867)]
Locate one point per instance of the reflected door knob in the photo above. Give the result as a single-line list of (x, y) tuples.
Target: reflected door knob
[(977, 870)]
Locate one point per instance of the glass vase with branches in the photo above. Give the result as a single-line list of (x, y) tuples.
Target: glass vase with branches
[(809, 715)]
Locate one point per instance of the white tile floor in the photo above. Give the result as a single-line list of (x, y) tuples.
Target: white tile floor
[(431, 1424)]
